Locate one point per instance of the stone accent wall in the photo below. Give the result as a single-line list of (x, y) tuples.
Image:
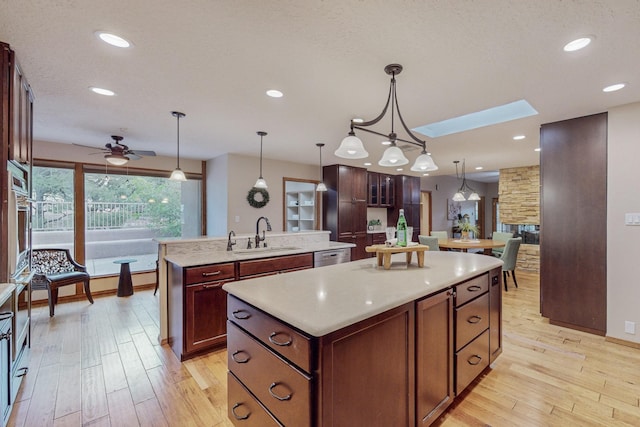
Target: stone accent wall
[(528, 258), (519, 194)]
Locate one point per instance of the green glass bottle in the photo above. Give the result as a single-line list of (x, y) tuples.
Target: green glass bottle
[(402, 229)]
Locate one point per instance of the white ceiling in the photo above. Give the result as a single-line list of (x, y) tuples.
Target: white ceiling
[(214, 60)]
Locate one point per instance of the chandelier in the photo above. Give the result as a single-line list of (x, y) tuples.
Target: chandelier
[(351, 147), (464, 188)]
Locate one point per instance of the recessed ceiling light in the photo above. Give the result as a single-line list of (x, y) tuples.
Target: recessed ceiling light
[(367, 164), (613, 88), (386, 142), (399, 169), (479, 168), (101, 91), (536, 149), (112, 39), (425, 174), (274, 93), (357, 120), (577, 44), (518, 137)]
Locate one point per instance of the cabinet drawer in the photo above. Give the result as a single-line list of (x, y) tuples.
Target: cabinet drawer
[(283, 339), (471, 320), (209, 273), (280, 387), (270, 265), (244, 409), (471, 288), (471, 361)]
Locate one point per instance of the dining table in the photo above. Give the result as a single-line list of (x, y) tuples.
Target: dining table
[(465, 244)]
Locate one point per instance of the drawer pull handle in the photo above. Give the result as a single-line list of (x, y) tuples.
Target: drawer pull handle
[(23, 372), (474, 319), (474, 288), (237, 315), (212, 273), (217, 285), (476, 358), (281, 344), (280, 398), (245, 360), (238, 417)]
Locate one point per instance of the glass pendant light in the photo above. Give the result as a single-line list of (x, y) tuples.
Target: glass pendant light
[(393, 156), (321, 186), (464, 188), (424, 163), (177, 174), (261, 183), (351, 148)]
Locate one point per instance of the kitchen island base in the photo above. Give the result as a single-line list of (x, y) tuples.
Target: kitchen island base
[(401, 367)]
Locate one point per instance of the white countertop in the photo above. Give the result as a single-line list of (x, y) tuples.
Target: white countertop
[(323, 300), (6, 290), (240, 254)]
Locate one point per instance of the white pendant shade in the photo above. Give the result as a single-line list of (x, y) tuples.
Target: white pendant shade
[(458, 197), (393, 156), (260, 183), (321, 187), (351, 148), (424, 163), (177, 175), (474, 196)]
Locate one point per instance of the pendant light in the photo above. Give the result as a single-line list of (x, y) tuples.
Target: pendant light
[(464, 188), (352, 148), (261, 183), (177, 174), (321, 186)]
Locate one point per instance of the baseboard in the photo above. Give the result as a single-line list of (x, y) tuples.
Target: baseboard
[(626, 343), (96, 294)]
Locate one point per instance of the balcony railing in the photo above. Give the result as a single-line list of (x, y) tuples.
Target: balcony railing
[(59, 216)]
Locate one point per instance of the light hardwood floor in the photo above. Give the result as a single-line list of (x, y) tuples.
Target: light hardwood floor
[(101, 365)]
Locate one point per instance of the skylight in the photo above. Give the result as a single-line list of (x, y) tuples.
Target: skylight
[(491, 116)]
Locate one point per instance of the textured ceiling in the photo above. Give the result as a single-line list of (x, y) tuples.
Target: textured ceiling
[(214, 60)]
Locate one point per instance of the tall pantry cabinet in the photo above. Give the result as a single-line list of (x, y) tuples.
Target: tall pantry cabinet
[(345, 206)]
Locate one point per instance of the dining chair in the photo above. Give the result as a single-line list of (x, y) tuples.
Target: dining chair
[(509, 257), (431, 241), (500, 236), (440, 234)]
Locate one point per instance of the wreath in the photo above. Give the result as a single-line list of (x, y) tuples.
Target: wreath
[(251, 197)]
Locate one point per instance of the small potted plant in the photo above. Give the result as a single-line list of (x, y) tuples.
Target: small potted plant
[(465, 227)]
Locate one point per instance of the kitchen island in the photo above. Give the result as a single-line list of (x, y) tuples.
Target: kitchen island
[(355, 344)]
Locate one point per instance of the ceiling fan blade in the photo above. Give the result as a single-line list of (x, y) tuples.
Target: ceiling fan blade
[(89, 146), (132, 156), (142, 153)]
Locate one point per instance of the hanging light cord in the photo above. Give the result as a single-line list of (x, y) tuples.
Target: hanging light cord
[(260, 155), (178, 139)]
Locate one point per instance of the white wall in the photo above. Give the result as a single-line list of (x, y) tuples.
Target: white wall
[(623, 196)]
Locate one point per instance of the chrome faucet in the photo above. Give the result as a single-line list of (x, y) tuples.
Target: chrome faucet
[(229, 242), (258, 238)]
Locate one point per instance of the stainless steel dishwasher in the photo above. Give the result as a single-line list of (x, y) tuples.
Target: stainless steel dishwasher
[(331, 257)]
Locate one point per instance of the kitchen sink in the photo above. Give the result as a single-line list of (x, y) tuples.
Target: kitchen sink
[(268, 249)]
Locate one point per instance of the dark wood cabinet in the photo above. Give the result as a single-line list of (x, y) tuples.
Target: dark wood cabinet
[(198, 307), (345, 206), (573, 208), (434, 356), (380, 190), (5, 367), (21, 117), (407, 197), (275, 265), (495, 314)]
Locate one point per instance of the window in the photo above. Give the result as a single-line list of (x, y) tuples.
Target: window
[(124, 211)]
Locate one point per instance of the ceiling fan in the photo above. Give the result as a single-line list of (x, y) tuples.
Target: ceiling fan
[(119, 154)]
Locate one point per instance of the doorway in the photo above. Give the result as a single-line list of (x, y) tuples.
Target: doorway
[(425, 213)]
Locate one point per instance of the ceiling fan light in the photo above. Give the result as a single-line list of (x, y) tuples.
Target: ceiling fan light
[(474, 197), (393, 156), (458, 197), (260, 183), (116, 159), (177, 175), (424, 163), (351, 148)]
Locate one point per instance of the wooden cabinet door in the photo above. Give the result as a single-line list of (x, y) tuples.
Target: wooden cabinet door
[(434, 356), (495, 314), (373, 189), (205, 315), (21, 117), (387, 190), (367, 372)]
